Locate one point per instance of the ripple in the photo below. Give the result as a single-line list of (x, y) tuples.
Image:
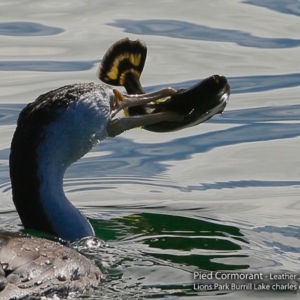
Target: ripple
[(9, 113), (28, 29), (187, 30), (5, 187), (221, 196), (145, 164), (247, 84), (156, 253), (152, 185), (47, 66), (242, 184), (157, 185), (261, 114), (127, 157), (290, 7)]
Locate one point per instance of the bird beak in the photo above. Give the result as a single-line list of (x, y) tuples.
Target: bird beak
[(124, 101), (118, 126)]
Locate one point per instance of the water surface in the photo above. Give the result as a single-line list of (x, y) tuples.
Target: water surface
[(220, 196)]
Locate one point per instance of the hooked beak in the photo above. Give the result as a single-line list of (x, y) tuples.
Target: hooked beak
[(122, 101)]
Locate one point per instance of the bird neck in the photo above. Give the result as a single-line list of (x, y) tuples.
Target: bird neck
[(40, 200), (66, 220), (40, 155)]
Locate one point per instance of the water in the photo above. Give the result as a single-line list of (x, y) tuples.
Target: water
[(220, 196)]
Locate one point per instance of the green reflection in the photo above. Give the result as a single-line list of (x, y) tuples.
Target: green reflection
[(177, 239)]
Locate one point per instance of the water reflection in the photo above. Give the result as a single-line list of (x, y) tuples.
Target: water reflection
[(28, 29), (47, 66), (246, 84), (154, 253), (135, 162), (9, 113), (186, 30), (126, 152), (290, 7), (157, 253), (242, 183), (177, 239), (261, 114)]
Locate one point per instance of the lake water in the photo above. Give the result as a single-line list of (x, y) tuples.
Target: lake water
[(220, 196)]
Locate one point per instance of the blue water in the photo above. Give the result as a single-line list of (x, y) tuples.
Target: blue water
[(220, 196)]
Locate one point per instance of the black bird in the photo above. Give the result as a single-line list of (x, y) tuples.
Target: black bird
[(56, 130)]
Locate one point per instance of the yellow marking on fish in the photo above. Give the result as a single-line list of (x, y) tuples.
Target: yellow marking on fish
[(135, 59), (123, 75), (113, 73)]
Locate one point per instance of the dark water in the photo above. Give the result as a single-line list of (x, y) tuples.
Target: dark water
[(222, 196), (186, 30)]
